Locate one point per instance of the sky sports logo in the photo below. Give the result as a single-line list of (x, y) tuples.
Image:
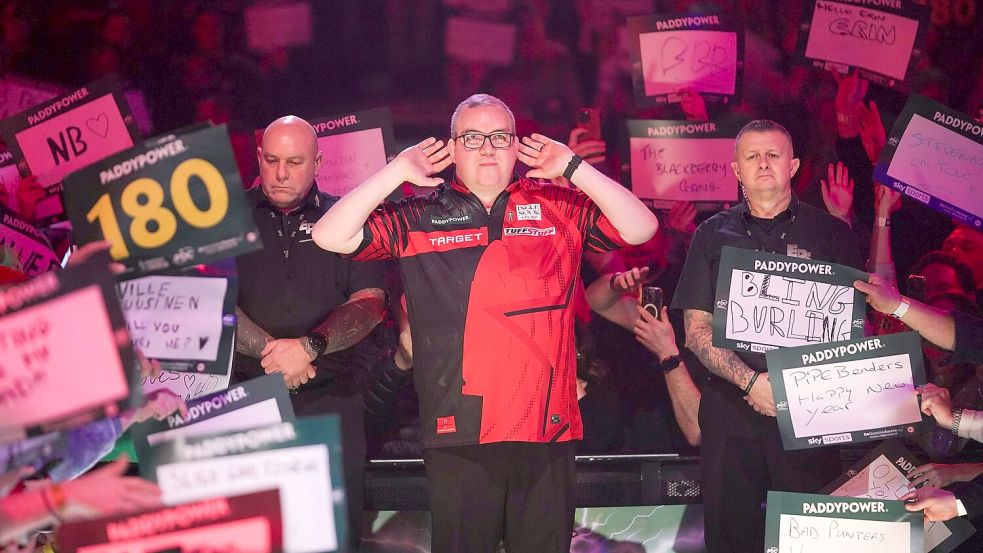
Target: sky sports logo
[(832, 439)]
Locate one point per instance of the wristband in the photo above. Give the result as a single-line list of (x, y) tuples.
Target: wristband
[(957, 415), (750, 383), (572, 166), (882, 222), (901, 309)]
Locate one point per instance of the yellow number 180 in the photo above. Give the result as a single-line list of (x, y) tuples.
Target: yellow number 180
[(143, 201)]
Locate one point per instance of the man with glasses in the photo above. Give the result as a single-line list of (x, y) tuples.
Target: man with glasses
[(490, 262)]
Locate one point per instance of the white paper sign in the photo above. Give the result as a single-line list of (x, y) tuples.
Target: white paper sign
[(705, 60), (943, 163), (300, 473), (785, 311), (472, 40), (810, 534), (278, 26), (861, 37), (349, 159), (847, 396), (186, 384), (683, 169), (174, 317)]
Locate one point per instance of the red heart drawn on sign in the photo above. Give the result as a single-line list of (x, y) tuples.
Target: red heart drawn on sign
[(99, 125)]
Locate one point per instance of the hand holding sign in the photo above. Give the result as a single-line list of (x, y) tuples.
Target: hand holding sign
[(938, 505), (938, 475), (761, 399), (105, 492), (936, 403), (880, 295)]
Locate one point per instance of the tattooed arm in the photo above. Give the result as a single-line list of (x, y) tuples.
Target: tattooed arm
[(725, 363), (250, 338), (353, 320)]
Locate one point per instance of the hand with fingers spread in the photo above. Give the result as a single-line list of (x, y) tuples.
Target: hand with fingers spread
[(682, 217), (423, 160), (838, 191), (936, 403), (937, 475), (886, 201), (872, 133), (546, 157), (629, 281), (938, 505)]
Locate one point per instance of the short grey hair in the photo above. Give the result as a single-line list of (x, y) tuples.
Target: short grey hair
[(762, 125), (478, 100)]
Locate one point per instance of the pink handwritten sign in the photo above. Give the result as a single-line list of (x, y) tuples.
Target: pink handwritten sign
[(704, 60), (51, 366), (76, 138), (349, 159)]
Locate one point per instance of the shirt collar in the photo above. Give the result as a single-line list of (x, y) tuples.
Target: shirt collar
[(789, 212), (460, 187)]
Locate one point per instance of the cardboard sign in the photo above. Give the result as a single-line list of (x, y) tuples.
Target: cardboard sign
[(881, 40), (810, 523), (672, 52), (853, 391), (683, 161), (187, 322), (935, 155), (765, 301), (189, 385), (272, 27), (256, 403), (64, 350), (165, 204), (302, 459), (18, 94), (354, 146), (477, 41), (28, 243), (250, 522), (68, 133), (881, 474)]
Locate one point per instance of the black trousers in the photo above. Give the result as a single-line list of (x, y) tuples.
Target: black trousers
[(742, 458), (516, 491)]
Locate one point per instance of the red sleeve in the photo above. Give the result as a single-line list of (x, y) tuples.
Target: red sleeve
[(598, 232), (386, 231)]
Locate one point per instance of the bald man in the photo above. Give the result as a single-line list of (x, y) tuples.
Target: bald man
[(300, 308)]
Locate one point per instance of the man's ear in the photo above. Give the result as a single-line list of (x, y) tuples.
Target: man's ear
[(737, 171), (450, 149), (318, 158), (259, 155), (794, 167)]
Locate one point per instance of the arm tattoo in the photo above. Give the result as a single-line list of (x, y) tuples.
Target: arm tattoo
[(353, 320), (721, 362), (250, 338)]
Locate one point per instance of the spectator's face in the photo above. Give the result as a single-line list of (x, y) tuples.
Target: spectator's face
[(288, 161), (486, 166), (765, 164), (967, 245), (941, 279)]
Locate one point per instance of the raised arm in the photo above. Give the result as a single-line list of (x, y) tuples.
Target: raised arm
[(725, 363), (340, 229), (934, 325), (549, 159)]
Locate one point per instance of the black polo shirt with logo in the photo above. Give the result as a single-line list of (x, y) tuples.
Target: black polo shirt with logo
[(291, 286), (489, 299), (800, 231)]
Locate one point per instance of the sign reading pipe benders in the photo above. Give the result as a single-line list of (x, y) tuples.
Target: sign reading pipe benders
[(765, 301), (683, 161), (852, 391), (302, 459), (810, 523), (250, 522), (934, 155), (882, 39), (881, 474), (64, 351), (68, 133), (672, 52), (166, 204), (254, 403)]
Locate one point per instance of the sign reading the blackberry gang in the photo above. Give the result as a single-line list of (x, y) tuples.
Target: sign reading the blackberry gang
[(854, 391), (766, 301)]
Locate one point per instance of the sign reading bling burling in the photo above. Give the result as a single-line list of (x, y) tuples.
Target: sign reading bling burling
[(766, 301)]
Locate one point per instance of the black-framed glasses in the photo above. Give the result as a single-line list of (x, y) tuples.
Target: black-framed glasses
[(475, 140)]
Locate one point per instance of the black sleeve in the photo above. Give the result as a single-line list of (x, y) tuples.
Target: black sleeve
[(971, 494), (847, 252), (968, 346), (696, 286), (365, 274)]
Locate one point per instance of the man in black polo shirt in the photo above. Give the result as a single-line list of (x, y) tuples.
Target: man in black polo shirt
[(300, 308), (741, 454)]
